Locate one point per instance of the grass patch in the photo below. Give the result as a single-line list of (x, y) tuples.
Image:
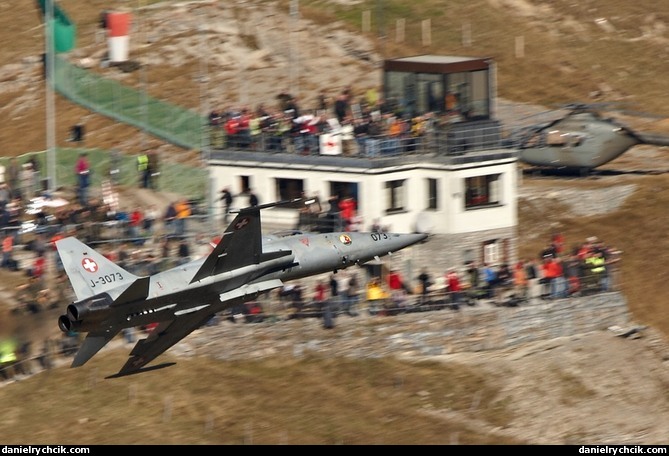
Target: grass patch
[(337, 401)]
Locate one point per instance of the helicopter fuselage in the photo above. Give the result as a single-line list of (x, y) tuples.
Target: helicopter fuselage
[(579, 141)]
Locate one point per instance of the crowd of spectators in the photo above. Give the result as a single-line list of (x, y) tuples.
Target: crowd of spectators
[(368, 126), (557, 272), (589, 267)]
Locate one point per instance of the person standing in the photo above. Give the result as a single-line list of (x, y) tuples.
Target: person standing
[(347, 208), (7, 252), (395, 281), (135, 224), (170, 217), (183, 252), (352, 295), (533, 277), (343, 279), (183, 211), (520, 280), (13, 178), (82, 170), (144, 170), (151, 214), (454, 287), (227, 198), (334, 290), (341, 106), (333, 215), (153, 170), (425, 282), (253, 199), (320, 293), (34, 176)]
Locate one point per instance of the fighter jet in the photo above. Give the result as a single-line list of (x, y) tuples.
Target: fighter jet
[(242, 265)]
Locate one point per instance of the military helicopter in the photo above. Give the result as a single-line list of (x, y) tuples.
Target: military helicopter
[(579, 141)]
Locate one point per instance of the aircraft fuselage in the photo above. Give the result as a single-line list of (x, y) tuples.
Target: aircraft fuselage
[(169, 292)]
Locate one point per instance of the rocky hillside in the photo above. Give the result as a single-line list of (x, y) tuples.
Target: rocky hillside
[(594, 388)]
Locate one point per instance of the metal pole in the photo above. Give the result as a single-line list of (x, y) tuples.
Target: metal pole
[(204, 114), (381, 26), (143, 80), (50, 99), (294, 54)]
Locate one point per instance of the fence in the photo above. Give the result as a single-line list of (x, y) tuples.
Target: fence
[(121, 169), (170, 122)]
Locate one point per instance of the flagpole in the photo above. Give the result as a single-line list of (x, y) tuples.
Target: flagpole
[(50, 99)]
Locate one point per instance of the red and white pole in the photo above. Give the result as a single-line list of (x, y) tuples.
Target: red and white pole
[(118, 32)]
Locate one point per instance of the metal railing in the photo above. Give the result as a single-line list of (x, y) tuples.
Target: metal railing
[(454, 139)]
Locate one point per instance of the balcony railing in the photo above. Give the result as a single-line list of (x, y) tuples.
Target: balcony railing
[(453, 140)]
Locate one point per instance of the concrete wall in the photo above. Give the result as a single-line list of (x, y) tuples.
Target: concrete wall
[(450, 216), (471, 329)]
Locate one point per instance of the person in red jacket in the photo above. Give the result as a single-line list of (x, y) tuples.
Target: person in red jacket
[(454, 287), (135, 224), (395, 281), (347, 209)]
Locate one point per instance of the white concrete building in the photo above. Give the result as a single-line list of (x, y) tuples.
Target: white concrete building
[(468, 202)]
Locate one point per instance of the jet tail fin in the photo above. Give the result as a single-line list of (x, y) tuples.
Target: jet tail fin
[(241, 244), (90, 272)]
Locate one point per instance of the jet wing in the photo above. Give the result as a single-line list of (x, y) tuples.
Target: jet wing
[(163, 336), (168, 333)]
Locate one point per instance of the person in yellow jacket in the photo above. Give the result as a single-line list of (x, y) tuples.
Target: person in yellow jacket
[(376, 296), (596, 264), (144, 170), (7, 357)]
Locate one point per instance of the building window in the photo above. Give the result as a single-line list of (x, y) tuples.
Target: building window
[(344, 190), (394, 196), (245, 183), (492, 252), (482, 191), (288, 189), (479, 107), (430, 92), (432, 195), (469, 256)]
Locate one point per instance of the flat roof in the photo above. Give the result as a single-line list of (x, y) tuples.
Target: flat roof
[(431, 58), (430, 63)]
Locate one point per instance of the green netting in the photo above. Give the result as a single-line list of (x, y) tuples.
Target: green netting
[(189, 181), (170, 122)]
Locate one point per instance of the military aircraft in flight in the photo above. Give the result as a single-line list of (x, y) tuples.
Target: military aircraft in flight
[(242, 265)]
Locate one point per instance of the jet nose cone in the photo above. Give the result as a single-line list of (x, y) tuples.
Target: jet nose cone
[(405, 240), (414, 238)]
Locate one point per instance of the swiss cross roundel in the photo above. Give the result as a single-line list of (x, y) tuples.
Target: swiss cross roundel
[(242, 223), (89, 265), (345, 239)]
